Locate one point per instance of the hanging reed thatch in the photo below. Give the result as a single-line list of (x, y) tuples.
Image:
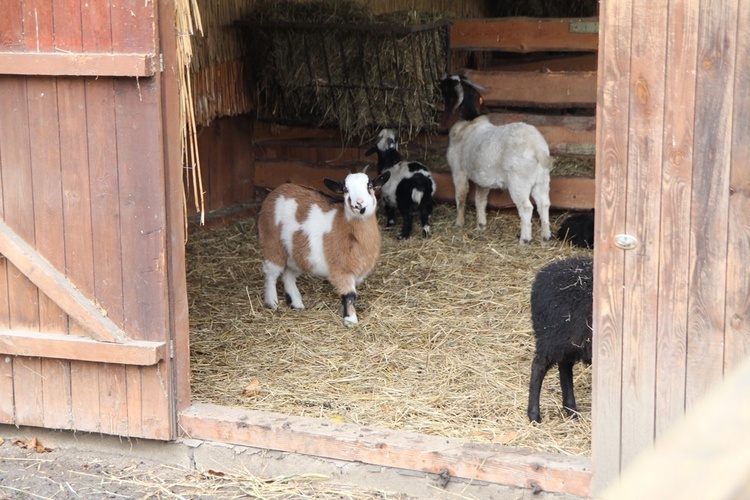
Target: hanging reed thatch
[(444, 344), (335, 64)]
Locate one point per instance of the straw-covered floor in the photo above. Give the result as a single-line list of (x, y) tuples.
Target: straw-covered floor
[(444, 344)]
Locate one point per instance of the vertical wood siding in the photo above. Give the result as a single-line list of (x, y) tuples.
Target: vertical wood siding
[(673, 170), (82, 180)]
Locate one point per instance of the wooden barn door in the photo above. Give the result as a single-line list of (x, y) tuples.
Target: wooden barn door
[(672, 311), (90, 217)]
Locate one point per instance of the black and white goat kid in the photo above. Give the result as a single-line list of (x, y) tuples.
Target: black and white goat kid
[(409, 189)]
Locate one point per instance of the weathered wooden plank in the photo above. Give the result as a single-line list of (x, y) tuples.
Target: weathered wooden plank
[(61, 346), (647, 80), (57, 287), (96, 37), (523, 34), (737, 340), (703, 456), (565, 192), (710, 200), (473, 461), (677, 167), (140, 158), (612, 168), (133, 27), (11, 25), (543, 88), (39, 35), (7, 401), (96, 27), (76, 64), (24, 296), (179, 329), (47, 204), (48, 219)]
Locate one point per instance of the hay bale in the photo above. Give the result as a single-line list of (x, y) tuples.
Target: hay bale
[(334, 64), (444, 345)]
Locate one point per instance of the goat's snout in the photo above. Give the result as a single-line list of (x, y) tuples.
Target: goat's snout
[(360, 205)]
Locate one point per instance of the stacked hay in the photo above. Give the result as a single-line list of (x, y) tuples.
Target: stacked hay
[(444, 344), (335, 64)]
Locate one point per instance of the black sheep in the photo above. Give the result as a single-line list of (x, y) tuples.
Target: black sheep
[(561, 303), (578, 230), (409, 189)]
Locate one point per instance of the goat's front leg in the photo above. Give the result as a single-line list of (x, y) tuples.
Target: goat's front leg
[(480, 200), (539, 368), (345, 286), (350, 314)]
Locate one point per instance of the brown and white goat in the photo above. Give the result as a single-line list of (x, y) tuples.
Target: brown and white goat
[(304, 231)]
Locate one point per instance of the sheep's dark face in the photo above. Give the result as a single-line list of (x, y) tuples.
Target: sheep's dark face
[(462, 101)]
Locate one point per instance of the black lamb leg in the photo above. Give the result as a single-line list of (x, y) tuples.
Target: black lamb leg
[(566, 384), (406, 230), (539, 368)]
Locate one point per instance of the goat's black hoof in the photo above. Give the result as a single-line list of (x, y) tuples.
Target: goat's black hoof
[(390, 223), (401, 237), (572, 413)]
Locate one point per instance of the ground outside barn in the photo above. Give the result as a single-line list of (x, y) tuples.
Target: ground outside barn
[(38, 463)]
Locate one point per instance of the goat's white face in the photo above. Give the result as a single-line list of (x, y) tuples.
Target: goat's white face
[(359, 196), (387, 140)]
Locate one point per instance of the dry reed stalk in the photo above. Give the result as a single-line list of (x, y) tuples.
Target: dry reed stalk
[(188, 22), (444, 344)]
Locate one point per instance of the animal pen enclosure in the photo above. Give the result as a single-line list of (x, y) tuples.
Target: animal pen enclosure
[(93, 296)]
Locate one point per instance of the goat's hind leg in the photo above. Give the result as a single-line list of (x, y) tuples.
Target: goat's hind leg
[(566, 384), (540, 193), (525, 211), (480, 201), (293, 297), (425, 210)]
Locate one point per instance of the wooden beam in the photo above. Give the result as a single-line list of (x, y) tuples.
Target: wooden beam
[(524, 34), (72, 347), (57, 287), (464, 459), (76, 64), (562, 133), (567, 193), (552, 89)]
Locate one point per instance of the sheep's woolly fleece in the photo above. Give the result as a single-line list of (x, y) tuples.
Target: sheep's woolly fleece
[(443, 347)]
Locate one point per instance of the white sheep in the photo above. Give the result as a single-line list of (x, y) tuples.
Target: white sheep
[(513, 157), (410, 188), (303, 230)]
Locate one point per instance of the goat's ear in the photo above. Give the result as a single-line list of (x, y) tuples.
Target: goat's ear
[(334, 186), (381, 179), (371, 150)]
